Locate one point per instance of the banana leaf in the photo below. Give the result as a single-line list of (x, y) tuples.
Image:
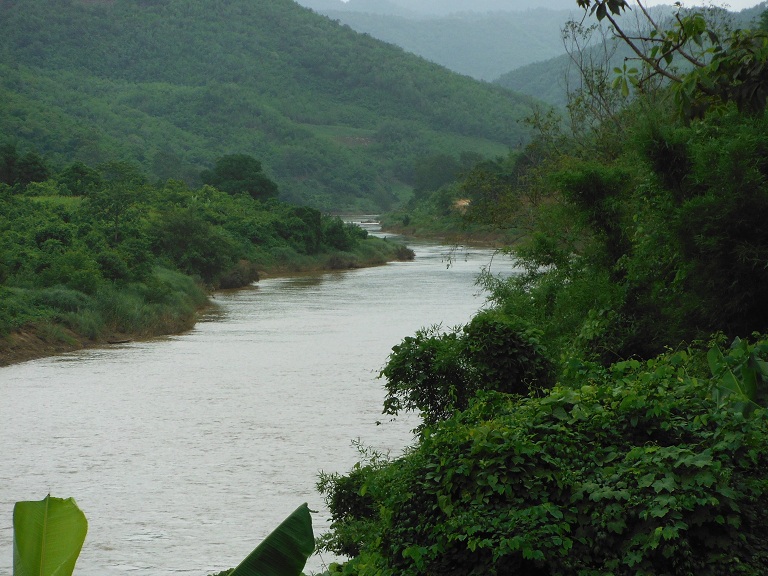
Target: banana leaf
[(285, 551), (47, 536)]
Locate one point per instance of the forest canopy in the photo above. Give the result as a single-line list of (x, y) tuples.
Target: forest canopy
[(171, 84), (90, 252), (642, 277)]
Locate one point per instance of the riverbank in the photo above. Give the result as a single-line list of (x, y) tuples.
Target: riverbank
[(450, 230), (64, 333)]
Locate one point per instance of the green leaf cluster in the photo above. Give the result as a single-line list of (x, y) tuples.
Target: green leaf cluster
[(125, 256), (645, 468), (438, 374)]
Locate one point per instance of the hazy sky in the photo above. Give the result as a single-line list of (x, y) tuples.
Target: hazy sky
[(730, 4)]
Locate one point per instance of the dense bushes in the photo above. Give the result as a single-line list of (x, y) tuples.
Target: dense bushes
[(110, 260), (642, 468), (642, 238), (437, 374)]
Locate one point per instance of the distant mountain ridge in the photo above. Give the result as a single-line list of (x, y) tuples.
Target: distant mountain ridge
[(336, 117), (433, 7), (547, 80), (482, 39), (481, 45)]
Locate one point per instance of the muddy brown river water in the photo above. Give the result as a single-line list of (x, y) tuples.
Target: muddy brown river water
[(185, 451)]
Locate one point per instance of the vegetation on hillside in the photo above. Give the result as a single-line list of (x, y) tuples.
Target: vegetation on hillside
[(551, 80), (480, 45), (643, 276), (91, 253), (337, 118)]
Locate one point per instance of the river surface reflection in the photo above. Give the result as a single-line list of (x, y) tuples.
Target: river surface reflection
[(184, 452)]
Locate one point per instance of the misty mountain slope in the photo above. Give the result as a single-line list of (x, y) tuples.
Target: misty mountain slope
[(483, 46), (549, 79), (337, 117), (410, 8)]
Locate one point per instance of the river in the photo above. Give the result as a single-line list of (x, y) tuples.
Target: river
[(184, 452)]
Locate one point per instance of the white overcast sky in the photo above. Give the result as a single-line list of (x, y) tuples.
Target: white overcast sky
[(734, 5)]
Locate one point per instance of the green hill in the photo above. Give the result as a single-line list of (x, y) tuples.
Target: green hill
[(432, 7), (337, 118), (481, 45)]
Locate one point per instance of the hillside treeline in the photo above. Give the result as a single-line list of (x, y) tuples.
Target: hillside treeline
[(607, 413), (88, 253), (337, 118)]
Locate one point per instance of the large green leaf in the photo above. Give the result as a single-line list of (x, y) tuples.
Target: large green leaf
[(47, 536), (285, 551)]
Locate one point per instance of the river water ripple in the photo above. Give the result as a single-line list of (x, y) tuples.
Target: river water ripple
[(185, 452)]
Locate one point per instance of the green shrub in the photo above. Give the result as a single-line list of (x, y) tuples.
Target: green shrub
[(18, 308), (437, 373), (61, 298), (87, 323), (505, 354), (643, 469)]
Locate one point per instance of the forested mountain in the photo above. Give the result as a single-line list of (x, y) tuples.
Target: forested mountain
[(431, 7), (337, 118), (481, 45)]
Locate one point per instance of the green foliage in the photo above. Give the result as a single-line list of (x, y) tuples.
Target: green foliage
[(642, 233), (742, 375), (424, 373), (438, 374), (340, 235), (308, 97), (720, 66), (128, 257), (79, 179), (240, 174), (640, 243), (16, 169), (185, 238), (47, 537), (433, 172), (506, 355), (643, 468), (351, 509), (285, 551)]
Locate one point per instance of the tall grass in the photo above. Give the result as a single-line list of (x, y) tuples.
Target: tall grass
[(164, 304), (167, 302)]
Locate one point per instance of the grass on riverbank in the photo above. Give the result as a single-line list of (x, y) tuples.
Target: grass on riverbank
[(449, 229), (40, 322)]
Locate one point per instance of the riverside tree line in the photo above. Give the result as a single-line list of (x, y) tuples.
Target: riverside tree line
[(606, 414)]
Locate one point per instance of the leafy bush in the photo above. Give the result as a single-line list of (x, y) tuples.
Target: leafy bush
[(645, 468), (61, 298), (438, 373), (193, 245)]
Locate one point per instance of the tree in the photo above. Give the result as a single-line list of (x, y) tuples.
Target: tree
[(31, 168), (722, 69), (115, 201), (193, 245), (9, 158), (437, 373), (79, 179), (240, 174), (434, 171), (18, 169)]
